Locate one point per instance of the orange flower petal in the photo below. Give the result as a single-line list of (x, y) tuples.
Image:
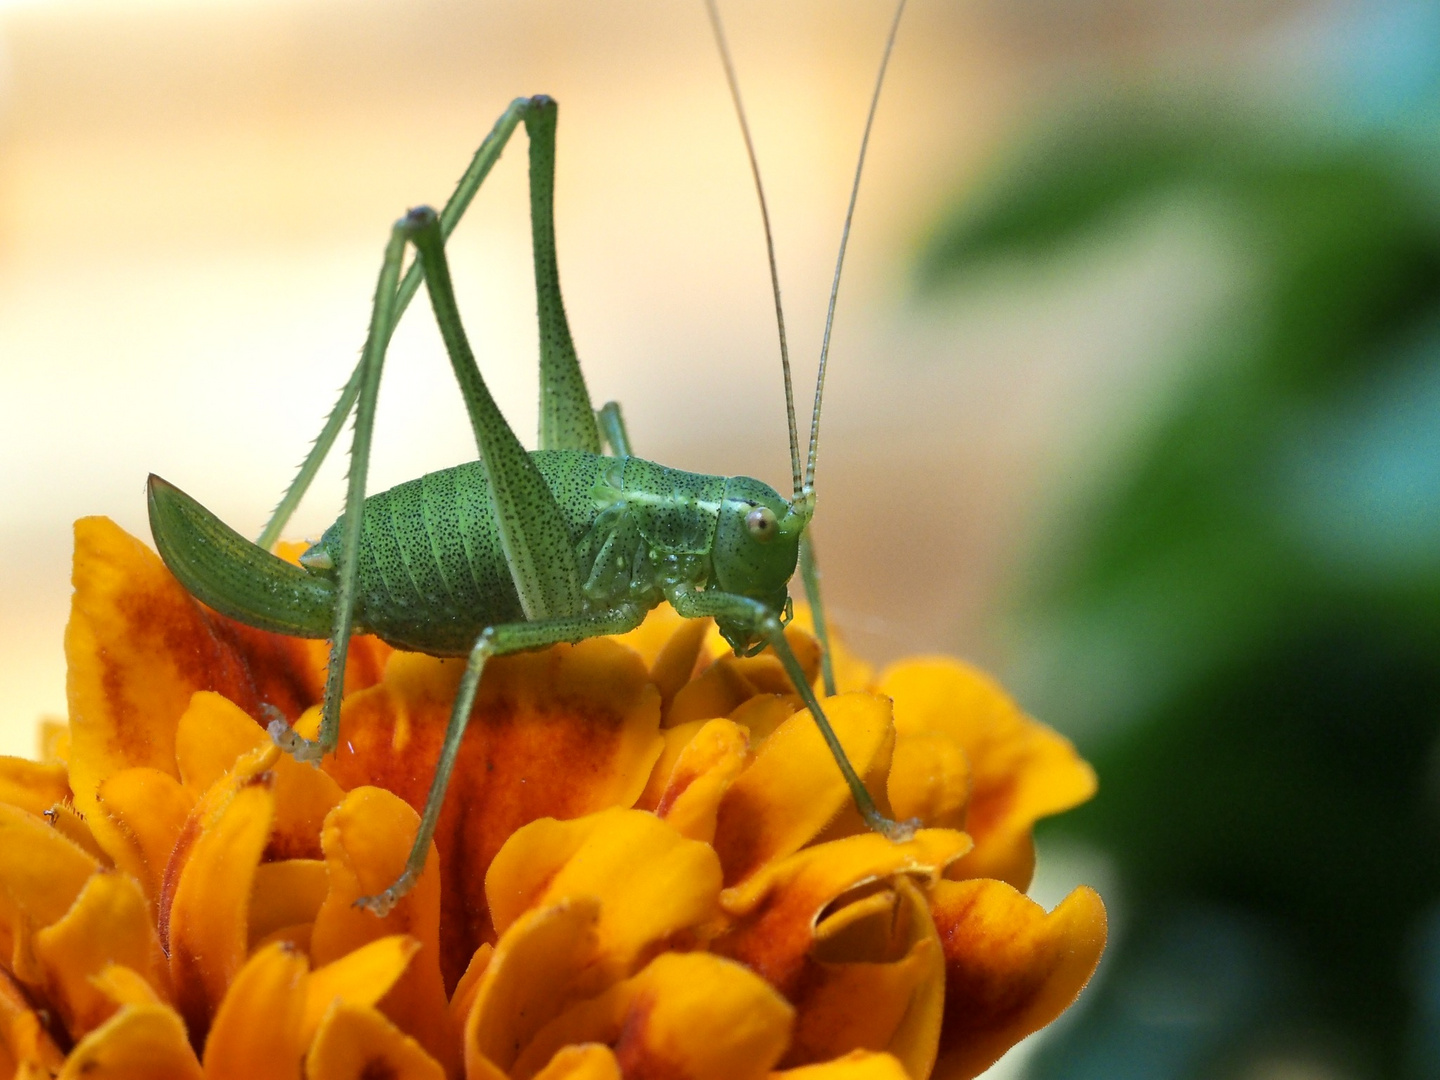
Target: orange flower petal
[(257, 1028), (24, 1042), (214, 733), (140, 1042), (540, 966), (775, 911), (793, 787), (109, 922), (146, 811), (559, 733), (31, 785), (206, 918), (1021, 770), (675, 741), (876, 984), (1011, 968), (651, 882), (362, 977), (367, 839), (589, 1061), (41, 873), (686, 1015), (138, 646), (125, 986), (286, 893), (851, 673), (856, 1065), (673, 665), (732, 680), (704, 771), (929, 779), (652, 636), (358, 1043)]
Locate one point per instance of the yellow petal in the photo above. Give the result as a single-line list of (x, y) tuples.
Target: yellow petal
[(140, 1042), (793, 788), (207, 917), (588, 1061), (702, 774), (558, 733), (929, 780), (357, 1043), (257, 1028), (851, 673), (675, 739), (31, 785), (776, 911), (650, 638), (109, 923), (125, 986), (138, 646), (539, 967), (686, 1015), (1011, 968), (878, 985), (41, 873), (651, 882), (1021, 770), (856, 1065), (361, 977), (367, 839), (286, 893), (24, 1041), (673, 665), (214, 734), (146, 810)]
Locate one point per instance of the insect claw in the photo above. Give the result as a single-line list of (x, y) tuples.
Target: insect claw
[(897, 832), (297, 746)]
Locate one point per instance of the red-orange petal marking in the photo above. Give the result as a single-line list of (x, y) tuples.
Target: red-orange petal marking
[(1010, 967), (1021, 770), (138, 646), (367, 839), (145, 811), (559, 733)]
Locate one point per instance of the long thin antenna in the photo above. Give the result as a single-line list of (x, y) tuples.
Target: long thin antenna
[(840, 262), (710, 6)]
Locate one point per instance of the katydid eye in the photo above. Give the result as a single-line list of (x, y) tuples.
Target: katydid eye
[(761, 523)]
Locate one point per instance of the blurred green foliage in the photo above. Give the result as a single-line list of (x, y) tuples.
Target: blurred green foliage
[(1255, 597)]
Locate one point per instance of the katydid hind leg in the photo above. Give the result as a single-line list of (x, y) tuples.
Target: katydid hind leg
[(567, 419), (533, 533), (494, 641), (475, 173)]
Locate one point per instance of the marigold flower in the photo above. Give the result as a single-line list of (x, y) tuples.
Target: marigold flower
[(647, 864)]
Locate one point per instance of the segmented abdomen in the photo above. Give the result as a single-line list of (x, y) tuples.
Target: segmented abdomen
[(432, 573)]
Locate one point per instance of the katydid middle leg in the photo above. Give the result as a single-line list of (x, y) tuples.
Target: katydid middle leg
[(493, 641), (766, 624)]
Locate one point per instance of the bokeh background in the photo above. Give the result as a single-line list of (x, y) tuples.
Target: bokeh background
[(1135, 395)]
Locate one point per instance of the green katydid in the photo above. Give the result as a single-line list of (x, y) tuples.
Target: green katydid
[(518, 550)]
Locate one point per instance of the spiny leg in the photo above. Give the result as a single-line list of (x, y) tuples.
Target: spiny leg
[(810, 575), (762, 621), (521, 109), (382, 321), (494, 641)]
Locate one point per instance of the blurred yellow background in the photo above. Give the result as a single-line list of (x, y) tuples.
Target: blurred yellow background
[(194, 196)]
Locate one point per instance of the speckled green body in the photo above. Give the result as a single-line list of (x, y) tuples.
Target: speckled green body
[(432, 572)]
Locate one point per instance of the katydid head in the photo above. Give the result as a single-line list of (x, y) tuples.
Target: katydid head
[(757, 544)]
